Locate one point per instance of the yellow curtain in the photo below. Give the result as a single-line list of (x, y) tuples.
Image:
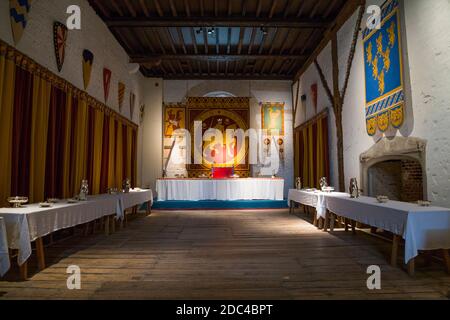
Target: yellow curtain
[(320, 153), (79, 158), (312, 181), (112, 153), (129, 151), (7, 80), (119, 156), (39, 130), (98, 145), (67, 141), (305, 177)]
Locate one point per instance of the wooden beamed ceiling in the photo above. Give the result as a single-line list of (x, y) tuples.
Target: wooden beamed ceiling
[(220, 39)]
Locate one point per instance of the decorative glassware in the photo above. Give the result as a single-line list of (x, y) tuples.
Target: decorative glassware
[(84, 190), (298, 183), (17, 202), (323, 183), (126, 185), (354, 189)]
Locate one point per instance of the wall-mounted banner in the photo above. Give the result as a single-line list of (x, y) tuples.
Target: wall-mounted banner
[(384, 72), (121, 95), (273, 117), (59, 40), (88, 61), (132, 103), (18, 11), (106, 82)]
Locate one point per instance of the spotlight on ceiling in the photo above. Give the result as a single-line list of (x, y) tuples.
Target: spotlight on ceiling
[(264, 31), (211, 31)]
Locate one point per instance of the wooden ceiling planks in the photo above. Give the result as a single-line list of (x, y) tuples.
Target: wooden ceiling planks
[(229, 39)]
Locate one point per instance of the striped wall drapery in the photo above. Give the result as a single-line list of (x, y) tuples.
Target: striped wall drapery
[(311, 149), (53, 135)]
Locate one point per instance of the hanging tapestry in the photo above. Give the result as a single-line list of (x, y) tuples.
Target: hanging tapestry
[(384, 72), (273, 118), (88, 61), (121, 95), (132, 102), (106, 82), (59, 40), (18, 11), (221, 114), (174, 119)]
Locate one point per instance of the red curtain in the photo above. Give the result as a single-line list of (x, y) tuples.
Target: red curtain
[(23, 102), (55, 144)]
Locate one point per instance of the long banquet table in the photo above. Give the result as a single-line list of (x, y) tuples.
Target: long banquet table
[(4, 252), (422, 228), (220, 189), (31, 222)]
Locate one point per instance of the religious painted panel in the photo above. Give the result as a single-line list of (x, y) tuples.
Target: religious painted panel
[(174, 119), (273, 117), (221, 114), (384, 72)]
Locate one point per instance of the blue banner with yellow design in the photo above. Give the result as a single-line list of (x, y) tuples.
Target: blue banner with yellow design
[(384, 72)]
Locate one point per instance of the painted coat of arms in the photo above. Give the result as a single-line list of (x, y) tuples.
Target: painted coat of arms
[(18, 11), (384, 72), (59, 39)]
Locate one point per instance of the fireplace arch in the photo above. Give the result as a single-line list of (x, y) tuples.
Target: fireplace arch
[(407, 156)]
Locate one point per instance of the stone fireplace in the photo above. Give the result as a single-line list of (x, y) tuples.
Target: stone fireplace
[(395, 168)]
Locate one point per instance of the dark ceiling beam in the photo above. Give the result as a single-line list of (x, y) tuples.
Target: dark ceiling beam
[(173, 8), (212, 57), (187, 8), (102, 8), (158, 8), (130, 8), (272, 8), (249, 22), (194, 40), (117, 8), (223, 76), (144, 8)]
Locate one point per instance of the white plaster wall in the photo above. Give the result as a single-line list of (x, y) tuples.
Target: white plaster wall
[(37, 43), (426, 46), (258, 91), (150, 137)]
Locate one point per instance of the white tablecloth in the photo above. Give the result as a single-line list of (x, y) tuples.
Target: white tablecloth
[(24, 225), (315, 199), (423, 228), (134, 198), (4, 252), (220, 189)]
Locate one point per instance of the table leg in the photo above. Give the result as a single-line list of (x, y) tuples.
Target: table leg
[(394, 253), (149, 208), (446, 260), (315, 222), (107, 223), (411, 267), (290, 207), (332, 221), (326, 221), (24, 271), (353, 227), (113, 224), (40, 252), (346, 224)]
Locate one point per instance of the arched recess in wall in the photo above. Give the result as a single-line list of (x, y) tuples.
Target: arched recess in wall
[(219, 94)]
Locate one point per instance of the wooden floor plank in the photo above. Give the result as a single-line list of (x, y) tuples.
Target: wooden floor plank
[(261, 254)]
